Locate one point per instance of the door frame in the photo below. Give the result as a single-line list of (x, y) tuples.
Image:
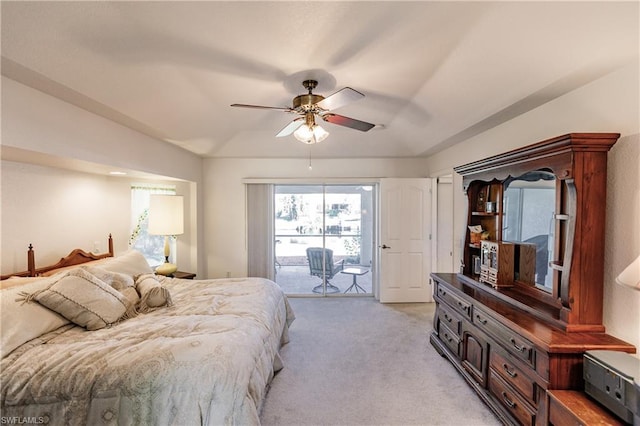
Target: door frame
[(437, 223)]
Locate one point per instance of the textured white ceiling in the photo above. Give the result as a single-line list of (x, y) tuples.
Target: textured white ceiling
[(433, 73)]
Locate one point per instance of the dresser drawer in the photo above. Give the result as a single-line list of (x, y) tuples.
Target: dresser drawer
[(512, 341), (450, 339), (458, 304), (514, 375), (450, 319), (511, 400)]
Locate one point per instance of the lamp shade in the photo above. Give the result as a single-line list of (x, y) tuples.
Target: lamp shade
[(631, 275), (166, 215)]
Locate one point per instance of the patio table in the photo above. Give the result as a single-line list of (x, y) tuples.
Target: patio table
[(355, 272)]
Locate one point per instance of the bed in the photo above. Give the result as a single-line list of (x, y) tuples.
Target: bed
[(205, 357)]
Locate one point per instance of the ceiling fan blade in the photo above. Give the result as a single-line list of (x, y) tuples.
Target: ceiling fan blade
[(341, 120), (285, 109), (291, 127), (341, 98)]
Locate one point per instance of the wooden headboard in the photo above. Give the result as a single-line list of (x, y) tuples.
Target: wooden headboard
[(76, 257)]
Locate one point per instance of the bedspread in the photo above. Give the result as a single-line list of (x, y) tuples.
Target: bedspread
[(205, 360)]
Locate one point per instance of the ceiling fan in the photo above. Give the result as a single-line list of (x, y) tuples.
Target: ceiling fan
[(310, 105)]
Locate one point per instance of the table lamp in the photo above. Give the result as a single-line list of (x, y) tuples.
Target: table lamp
[(630, 277), (166, 217)]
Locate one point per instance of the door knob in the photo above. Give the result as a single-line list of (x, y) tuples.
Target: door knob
[(384, 246)]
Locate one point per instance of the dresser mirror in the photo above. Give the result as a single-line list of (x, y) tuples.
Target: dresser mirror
[(529, 205)]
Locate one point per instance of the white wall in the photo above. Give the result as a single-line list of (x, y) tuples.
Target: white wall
[(225, 196), (622, 244), (59, 210), (56, 211), (610, 104), (36, 122)]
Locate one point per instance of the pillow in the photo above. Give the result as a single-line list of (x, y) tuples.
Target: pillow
[(152, 294), (15, 281), (114, 279), (82, 298), (131, 263), (21, 322), (121, 282), (68, 268)]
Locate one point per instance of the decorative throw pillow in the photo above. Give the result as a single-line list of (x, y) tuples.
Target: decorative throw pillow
[(152, 294), (82, 298), (121, 282), (23, 322)]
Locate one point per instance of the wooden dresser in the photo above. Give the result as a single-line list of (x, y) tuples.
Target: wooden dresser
[(508, 356), (515, 342)]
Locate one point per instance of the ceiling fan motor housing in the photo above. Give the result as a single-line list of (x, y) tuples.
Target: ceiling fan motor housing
[(303, 103)]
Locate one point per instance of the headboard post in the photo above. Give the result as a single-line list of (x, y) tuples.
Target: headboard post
[(31, 261), (111, 245)]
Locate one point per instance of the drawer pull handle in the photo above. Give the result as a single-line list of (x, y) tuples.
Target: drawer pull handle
[(518, 347), (442, 292), (507, 401), (481, 320), (511, 373), (449, 339), (463, 306), (447, 317)]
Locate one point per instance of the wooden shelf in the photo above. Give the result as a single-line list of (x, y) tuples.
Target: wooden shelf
[(484, 214)]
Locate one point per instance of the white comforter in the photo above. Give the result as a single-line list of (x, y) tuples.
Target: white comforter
[(205, 360)]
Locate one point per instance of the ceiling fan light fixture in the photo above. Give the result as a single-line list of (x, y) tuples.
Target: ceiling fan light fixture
[(310, 132), (310, 135)]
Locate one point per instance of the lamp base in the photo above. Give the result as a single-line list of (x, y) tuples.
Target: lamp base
[(166, 269)]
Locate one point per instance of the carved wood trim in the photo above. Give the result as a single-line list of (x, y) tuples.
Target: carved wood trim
[(532, 157)]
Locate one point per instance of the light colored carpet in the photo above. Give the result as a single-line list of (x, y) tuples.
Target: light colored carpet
[(354, 361)]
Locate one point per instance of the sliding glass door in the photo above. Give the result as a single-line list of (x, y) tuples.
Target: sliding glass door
[(324, 239)]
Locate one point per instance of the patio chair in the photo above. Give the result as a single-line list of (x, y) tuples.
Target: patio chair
[(315, 256)]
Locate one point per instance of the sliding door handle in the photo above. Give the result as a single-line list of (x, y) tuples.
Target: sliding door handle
[(384, 246)]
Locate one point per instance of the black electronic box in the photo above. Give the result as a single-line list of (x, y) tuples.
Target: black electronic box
[(613, 379)]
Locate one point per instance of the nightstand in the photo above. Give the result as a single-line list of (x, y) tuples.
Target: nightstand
[(183, 275)]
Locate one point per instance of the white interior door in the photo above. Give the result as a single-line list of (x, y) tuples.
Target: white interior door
[(405, 259)]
